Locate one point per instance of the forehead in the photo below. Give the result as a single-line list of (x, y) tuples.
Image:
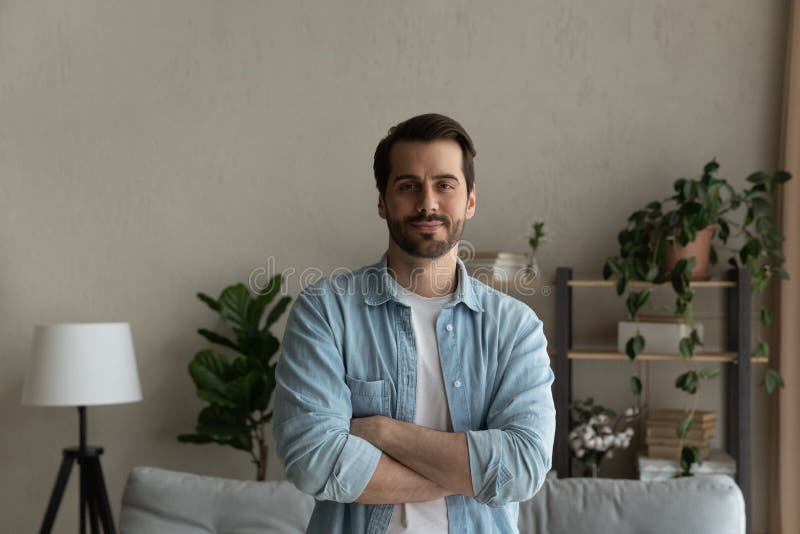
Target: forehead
[(442, 156)]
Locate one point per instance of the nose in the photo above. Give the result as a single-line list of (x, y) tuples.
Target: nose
[(427, 201)]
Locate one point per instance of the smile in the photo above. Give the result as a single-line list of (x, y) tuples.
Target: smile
[(426, 226)]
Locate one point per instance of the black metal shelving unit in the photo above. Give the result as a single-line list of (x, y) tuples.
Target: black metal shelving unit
[(738, 436)]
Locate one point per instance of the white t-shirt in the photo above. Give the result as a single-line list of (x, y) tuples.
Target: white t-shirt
[(431, 409)]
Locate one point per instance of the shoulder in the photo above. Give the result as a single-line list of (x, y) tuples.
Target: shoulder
[(342, 284), (499, 303)]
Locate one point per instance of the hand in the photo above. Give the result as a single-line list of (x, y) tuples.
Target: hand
[(368, 428)]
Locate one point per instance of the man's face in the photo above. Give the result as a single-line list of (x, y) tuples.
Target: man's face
[(426, 201)]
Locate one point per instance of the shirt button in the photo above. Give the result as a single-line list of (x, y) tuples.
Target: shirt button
[(457, 383), (449, 328)]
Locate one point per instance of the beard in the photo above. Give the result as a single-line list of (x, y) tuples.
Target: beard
[(425, 244)]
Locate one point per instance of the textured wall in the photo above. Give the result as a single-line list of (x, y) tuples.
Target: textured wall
[(154, 149)]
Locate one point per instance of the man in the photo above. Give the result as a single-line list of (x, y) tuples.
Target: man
[(411, 397)]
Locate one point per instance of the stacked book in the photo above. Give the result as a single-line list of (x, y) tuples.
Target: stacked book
[(662, 437), (497, 265)]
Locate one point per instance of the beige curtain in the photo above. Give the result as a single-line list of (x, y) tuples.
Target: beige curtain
[(784, 513)]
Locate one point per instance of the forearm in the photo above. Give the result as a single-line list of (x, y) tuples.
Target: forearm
[(442, 457), (394, 483)]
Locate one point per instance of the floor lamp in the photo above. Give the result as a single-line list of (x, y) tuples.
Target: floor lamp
[(80, 365)]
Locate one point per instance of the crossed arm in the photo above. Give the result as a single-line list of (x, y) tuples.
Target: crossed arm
[(418, 463)]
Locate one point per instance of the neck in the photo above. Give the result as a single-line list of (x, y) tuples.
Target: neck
[(428, 277)]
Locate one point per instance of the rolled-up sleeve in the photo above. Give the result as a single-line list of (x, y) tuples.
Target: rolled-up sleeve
[(312, 410), (509, 460)]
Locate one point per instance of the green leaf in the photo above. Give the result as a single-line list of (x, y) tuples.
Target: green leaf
[(748, 217), (766, 317), (260, 347), (759, 205), (757, 177), (772, 381), (607, 271), (235, 303), (651, 273), (216, 420), (634, 346), (688, 382), (685, 347), (636, 385), (724, 231), (695, 338), (689, 456), (210, 302), (775, 253), (621, 284), (781, 177), (213, 337), (210, 370), (751, 249), (708, 372), (265, 297), (239, 389), (762, 349), (195, 438), (277, 311)]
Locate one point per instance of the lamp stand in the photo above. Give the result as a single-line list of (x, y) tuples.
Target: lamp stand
[(93, 494)]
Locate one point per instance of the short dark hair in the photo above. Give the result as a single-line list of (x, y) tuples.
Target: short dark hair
[(428, 127)]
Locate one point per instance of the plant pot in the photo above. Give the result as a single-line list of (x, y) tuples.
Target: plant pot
[(698, 249)]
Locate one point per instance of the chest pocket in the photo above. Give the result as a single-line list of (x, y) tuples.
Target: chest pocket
[(370, 397)]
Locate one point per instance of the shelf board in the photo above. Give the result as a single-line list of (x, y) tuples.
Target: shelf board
[(518, 285), (722, 357), (612, 283)]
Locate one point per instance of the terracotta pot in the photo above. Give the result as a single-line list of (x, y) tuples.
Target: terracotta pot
[(699, 249)]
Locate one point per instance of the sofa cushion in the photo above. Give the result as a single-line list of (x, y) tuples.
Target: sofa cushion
[(711, 504), (161, 501)]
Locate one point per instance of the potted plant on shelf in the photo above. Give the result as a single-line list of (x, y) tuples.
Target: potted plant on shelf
[(672, 241), (238, 390), (535, 239)]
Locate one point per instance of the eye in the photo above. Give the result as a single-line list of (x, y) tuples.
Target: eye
[(407, 186), (447, 186)]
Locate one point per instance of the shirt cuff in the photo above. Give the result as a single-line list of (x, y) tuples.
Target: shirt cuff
[(487, 470), (356, 465)]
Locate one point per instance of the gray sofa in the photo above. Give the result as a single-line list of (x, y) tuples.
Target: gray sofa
[(158, 501)]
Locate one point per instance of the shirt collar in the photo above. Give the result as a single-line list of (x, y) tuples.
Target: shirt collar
[(381, 286)]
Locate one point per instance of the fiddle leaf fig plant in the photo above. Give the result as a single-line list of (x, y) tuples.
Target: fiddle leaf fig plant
[(673, 223), (238, 388)]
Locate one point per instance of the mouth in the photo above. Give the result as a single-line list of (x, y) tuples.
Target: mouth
[(427, 226)]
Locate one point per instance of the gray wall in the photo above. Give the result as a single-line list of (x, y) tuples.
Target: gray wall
[(154, 149)]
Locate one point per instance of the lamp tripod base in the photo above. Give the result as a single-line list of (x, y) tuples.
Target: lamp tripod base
[(93, 494)]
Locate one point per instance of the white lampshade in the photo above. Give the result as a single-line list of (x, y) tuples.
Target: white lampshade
[(82, 364)]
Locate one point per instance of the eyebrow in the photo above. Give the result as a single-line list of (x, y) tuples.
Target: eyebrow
[(415, 177)]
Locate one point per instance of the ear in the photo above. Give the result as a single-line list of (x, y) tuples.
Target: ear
[(470, 204), (381, 206)]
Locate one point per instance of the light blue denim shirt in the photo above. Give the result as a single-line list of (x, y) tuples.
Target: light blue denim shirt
[(349, 351)]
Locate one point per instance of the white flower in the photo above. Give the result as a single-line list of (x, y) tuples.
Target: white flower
[(579, 453), (610, 454)]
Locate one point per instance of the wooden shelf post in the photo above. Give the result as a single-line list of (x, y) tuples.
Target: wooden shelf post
[(738, 389), (562, 386)]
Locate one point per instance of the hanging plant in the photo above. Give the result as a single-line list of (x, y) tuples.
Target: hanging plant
[(657, 246)]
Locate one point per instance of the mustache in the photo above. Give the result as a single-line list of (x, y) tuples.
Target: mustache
[(430, 218)]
